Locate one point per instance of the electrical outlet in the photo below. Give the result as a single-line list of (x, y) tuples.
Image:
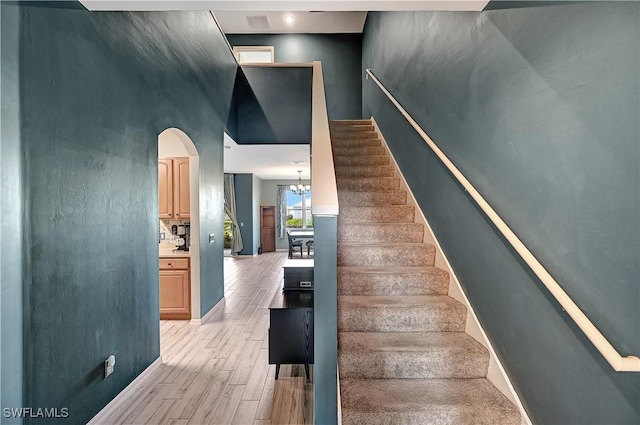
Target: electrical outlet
[(212, 237), (109, 365)]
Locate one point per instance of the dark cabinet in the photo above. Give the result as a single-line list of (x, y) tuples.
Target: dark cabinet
[(298, 274), (291, 329)]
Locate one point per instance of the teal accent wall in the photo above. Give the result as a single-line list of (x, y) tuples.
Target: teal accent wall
[(274, 105), (325, 320), (341, 57), (95, 91), (539, 108), (244, 210), (11, 207)]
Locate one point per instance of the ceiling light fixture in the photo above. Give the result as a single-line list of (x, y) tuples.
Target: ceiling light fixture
[(300, 188), (289, 18), (299, 162)]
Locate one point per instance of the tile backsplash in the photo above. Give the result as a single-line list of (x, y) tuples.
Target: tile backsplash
[(165, 236)]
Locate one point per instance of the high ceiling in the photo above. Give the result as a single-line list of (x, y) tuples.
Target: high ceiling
[(311, 16), (272, 22)]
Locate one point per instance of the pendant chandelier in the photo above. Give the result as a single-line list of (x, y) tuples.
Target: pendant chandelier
[(300, 188)]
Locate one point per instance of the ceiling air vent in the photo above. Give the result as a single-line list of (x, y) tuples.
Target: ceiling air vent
[(258, 22)]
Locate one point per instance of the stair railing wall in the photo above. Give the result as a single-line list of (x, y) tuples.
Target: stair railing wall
[(324, 207), (617, 362)]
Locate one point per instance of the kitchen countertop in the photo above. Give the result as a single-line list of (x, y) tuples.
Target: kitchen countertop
[(168, 253)]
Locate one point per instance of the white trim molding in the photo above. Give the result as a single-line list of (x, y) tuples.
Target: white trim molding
[(124, 396)]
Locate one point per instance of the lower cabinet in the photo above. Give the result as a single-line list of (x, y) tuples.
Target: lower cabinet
[(175, 289)]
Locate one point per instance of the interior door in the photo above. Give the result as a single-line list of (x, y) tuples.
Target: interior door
[(268, 228)]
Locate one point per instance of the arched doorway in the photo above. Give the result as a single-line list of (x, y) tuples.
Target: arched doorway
[(177, 228)]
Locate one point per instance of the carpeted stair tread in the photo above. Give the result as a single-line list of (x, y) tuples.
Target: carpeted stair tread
[(411, 355), (392, 281), (403, 354), (347, 198), (373, 313), (364, 171), (361, 160), (341, 134), (376, 214), (349, 122), (354, 142), (339, 151), (381, 232), (368, 184), (425, 401), (387, 254)]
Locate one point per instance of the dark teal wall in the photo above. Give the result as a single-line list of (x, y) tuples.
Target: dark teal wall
[(539, 108), (274, 105), (244, 210), (325, 317), (341, 56), (96, 89), (11, 354)]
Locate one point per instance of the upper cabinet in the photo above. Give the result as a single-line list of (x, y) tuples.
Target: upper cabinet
[(173, 188)]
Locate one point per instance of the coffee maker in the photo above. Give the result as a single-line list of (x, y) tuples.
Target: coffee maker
[(184, 232)]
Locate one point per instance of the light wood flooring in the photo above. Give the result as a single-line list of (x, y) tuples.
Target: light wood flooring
[(218, 372)]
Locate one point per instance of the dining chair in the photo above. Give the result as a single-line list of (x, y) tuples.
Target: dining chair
[(309, 247), (293, 244)]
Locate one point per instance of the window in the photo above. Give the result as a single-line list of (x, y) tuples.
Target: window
[(299, 211), (254, 54)]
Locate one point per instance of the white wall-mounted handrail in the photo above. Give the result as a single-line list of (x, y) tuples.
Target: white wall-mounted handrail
[(617, 362), (323, 177)]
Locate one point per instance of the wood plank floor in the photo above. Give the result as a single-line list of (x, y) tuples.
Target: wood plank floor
[(217, 373)]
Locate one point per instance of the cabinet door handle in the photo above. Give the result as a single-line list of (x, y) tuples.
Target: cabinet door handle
[(168, 264)]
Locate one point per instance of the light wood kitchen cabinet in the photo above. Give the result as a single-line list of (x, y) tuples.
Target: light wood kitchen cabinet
[(181, 194), (165, 188), (173, 188), (175, 289)]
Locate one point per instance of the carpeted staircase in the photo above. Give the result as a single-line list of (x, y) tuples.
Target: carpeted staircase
[(404, 357)]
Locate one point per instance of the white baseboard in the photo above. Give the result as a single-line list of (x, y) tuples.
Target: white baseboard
[(220, 305), (496, 373), (125, 395)]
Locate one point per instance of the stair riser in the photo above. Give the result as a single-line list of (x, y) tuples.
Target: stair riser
[(390, 214), (361, 151), (374, 171), (375, 184), (337, 134), (435, 282), (453, 415), (349, 123), (355, 143), (385, 255), (361, 160), (367, 199), (352, 127), (427, 364), (376, 233), (412, 319)]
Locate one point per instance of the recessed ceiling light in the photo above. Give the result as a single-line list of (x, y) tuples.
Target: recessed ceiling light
[(298, 162), (289, 18)]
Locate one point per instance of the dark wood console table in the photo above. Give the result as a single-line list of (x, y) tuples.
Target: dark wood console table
[(291, 329)]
